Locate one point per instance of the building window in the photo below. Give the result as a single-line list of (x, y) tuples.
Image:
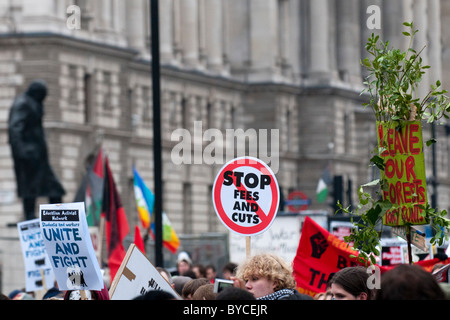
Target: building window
[(187, 208), (147, 103), (87, 86), (107, 83)]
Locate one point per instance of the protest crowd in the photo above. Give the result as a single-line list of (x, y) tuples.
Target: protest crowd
[(269, 277)]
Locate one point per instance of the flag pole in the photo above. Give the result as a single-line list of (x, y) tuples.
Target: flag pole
[(154, 13), (100, 243)]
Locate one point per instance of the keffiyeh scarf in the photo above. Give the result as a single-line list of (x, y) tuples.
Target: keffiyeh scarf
[(277, 295)]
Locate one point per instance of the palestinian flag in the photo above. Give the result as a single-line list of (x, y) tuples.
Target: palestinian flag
[(322, 186), (91, 191), (116, 223)]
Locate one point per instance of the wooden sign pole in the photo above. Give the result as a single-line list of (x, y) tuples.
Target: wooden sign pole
[(83, 295), (248, 246), (408, 240)]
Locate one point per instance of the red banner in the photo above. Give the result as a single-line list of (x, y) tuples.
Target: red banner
[(320, 254)]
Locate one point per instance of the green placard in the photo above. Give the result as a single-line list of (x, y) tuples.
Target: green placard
[(404, 172)]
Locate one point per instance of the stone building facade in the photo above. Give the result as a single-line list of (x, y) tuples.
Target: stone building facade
[(286, 65)]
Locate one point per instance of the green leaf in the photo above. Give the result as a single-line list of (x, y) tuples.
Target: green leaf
[(366, 62), (371, 183), (373, 214), (378, 162), (430, 142)]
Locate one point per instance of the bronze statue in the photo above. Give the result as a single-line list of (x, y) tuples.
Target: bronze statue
[(34, 176)]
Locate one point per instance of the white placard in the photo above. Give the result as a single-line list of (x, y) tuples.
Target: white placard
[(69, 246), (136, 276), (35, 257)]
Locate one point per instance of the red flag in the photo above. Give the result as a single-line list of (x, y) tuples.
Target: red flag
[(319, 255), (116, 225), (138, 241)]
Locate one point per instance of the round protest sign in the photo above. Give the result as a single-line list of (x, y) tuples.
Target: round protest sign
[(246, 196)]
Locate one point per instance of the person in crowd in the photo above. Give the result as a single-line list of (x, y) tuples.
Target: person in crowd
[(211, 273), (229, 270), (155, 295), (190, 273), (351, 284), (23, 296), (184, 263), (13, 293), (267, 277), (54, 293), (205, 292), (327, 295), (4, 297), (166, 275), (191, 286), (234, 293), (179, 282), (199, 270), (90, 294), (409, 282)]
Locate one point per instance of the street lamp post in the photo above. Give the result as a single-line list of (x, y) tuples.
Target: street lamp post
[(157, 158)]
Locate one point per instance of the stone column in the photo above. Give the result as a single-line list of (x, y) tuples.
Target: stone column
[(263, 39), (319, 60), (394, 14), (189, 32), (214, 39), (348, 41), (105, 14), (445, 38), (421, 42), (435, 44), (45, 7), (135, 24), (166, 30)]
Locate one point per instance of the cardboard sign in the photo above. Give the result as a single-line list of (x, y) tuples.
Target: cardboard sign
[(69, 247), (442, 274), (246, 196), (136, 276), (404, 172), (35, 257), (417, 237)]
